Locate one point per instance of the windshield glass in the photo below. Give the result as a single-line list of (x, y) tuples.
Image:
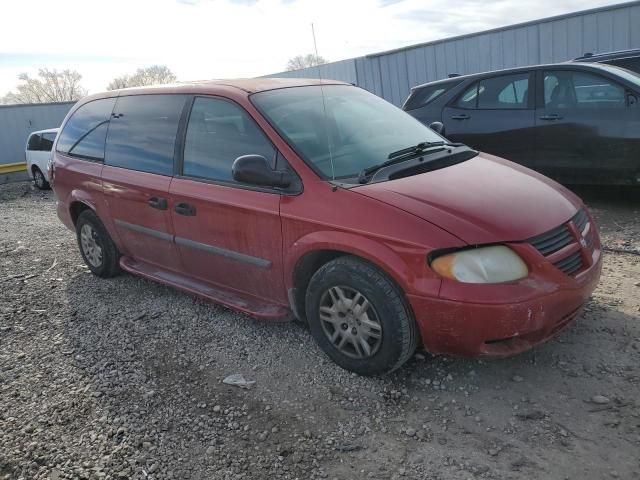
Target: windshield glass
[(358, 131)]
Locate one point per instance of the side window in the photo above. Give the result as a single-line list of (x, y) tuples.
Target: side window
[(142, 133), (218, 132), (469, 99), (47, 141), (504, 92), (577, 89), (84, 133), (425, 95), (34, 142)]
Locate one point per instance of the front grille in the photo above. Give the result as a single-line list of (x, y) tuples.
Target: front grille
[(570, 264), (556, 239), (580, 220), (553, 240)]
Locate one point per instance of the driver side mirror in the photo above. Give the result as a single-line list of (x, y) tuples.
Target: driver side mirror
[(255, 170), (437, 127)]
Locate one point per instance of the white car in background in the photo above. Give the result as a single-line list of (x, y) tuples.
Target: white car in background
[(38, 154)]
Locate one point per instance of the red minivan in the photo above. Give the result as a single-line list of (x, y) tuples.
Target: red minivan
[(293, 198)]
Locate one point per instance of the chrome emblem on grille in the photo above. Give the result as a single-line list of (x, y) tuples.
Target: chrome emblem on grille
[(583, 243)]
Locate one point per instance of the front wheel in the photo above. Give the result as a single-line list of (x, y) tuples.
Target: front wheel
[(359, 317), (39, 180)]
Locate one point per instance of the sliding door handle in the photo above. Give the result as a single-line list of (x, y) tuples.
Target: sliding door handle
[(461, 116)]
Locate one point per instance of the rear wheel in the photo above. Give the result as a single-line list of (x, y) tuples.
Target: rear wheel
[(359, 317), (39, 180), (97, 249)]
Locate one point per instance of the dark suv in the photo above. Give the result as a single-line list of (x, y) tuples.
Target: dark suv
[(576, 122), (629, 59)]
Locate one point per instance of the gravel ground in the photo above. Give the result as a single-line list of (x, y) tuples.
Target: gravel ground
[(122, 378)]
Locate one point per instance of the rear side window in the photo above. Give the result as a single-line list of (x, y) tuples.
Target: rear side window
[(34, 142), (497, 93), (46, 143), (218, 132), (578, 89), (142, 133), (84, 133), (425, 95)]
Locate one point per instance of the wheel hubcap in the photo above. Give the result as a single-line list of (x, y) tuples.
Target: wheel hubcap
[(39, 178), (92, 251), (350, 322)]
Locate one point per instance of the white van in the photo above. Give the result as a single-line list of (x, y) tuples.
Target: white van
[(38, 154)]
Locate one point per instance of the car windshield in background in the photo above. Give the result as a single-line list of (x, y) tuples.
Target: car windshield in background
[(347, 132)]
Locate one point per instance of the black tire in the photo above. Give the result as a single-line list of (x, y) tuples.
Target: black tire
[(39, 180), (399, 336), (109, 264)]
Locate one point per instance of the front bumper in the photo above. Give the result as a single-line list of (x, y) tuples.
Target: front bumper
[(488, 325)]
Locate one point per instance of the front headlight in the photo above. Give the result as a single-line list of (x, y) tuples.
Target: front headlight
[(494, 264)]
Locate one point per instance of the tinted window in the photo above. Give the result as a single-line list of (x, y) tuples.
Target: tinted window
[(425, 95), (505, 92), (34, 142), (143, 131), (469, 98), (46, 143), (218, 132), (567, 89), (84, 133)]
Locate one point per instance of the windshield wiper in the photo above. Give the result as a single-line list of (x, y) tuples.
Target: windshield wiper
[(420, 147), (400, 156)]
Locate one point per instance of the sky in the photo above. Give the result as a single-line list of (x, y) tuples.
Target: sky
[(207, 39)]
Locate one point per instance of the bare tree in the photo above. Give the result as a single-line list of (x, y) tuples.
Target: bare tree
[(153, 75), (305, 61), (48, 86)]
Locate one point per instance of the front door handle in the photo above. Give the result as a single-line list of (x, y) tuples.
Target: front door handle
[(185, 209), (461, 116), (159, 203), (551, 116)]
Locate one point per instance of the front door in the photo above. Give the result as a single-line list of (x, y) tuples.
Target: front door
[(228, 235), (495, 115), (138, 168), (586, 128)]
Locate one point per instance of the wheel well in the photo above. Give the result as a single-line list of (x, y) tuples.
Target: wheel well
[(305, 268), (76, 209), (34, 168)]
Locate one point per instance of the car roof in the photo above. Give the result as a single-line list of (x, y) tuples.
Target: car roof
[(609, 55), (248, 85), (48, 130), (460, 78)]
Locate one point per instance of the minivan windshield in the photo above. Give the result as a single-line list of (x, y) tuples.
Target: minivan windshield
[(343, 133)]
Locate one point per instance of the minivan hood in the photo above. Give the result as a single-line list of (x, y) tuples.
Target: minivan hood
[(483, 200)]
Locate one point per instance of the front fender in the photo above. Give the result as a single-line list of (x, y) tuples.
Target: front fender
[(405, 264)]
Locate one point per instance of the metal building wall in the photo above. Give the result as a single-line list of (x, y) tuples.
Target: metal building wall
[(392, 74), (18, 121)]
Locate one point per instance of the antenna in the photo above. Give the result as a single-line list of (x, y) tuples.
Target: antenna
[(324, 104)]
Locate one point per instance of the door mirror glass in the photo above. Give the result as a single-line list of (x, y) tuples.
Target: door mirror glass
[(437, 127), (255, 170)]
